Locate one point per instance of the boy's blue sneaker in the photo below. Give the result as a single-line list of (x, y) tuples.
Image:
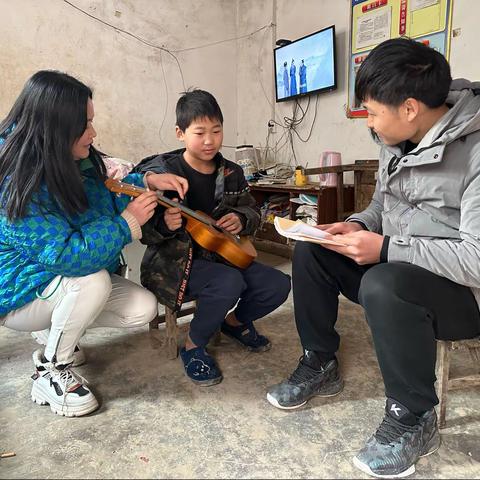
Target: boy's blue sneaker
[(200, 367), (247, 336)]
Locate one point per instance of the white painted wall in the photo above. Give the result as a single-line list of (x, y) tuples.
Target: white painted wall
[(135, 86)]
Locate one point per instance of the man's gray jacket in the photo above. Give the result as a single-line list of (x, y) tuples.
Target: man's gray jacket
[(430, 205)]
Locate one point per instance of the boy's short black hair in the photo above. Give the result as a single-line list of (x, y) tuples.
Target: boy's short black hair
[(195, 104), (403, 68)]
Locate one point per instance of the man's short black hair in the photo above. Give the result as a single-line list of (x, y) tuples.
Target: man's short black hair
[(403, 68), (195, 104)]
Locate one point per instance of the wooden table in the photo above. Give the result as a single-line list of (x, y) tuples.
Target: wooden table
[(326, 210), (364, 183), (327, 197)]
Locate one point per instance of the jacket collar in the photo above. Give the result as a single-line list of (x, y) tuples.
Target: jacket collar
[(462, 119)]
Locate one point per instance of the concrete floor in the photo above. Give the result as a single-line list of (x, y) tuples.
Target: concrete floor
[(155, 423)]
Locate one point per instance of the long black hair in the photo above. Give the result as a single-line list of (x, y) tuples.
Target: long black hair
[(49, 115)]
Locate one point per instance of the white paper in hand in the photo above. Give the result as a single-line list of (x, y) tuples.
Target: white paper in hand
[(301, 231)]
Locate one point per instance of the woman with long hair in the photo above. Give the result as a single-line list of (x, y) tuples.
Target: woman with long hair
[(62, 232)]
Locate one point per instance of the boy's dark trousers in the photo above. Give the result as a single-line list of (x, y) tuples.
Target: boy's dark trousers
[(217, 287), (406, 307)]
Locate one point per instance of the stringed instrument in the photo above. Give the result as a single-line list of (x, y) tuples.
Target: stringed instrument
[(238, 251)]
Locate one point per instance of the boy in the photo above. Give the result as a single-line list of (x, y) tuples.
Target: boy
[(411, 258), (174, 267)]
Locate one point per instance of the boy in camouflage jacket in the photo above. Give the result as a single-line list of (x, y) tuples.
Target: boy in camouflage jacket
[(174, 267)]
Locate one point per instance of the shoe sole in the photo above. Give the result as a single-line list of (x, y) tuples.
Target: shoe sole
[(205, 383), (39, 397), (366, 469), (335, 389), (432, 446), (264, 348)]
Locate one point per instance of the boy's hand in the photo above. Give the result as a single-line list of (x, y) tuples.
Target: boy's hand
[(167, 181), (363, 247), (143, 207), (231, 223), (340, 227), (172, 217)]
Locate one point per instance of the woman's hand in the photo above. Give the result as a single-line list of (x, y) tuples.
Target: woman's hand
[(167, 181), (231, 223), (143, 207), (172, 217)]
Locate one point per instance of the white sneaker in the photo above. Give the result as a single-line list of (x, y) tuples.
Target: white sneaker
[(41, 337), (62, 389)]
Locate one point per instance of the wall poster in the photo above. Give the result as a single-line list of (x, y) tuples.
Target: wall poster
[(373, 21)]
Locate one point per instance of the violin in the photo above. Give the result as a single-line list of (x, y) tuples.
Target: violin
[(238, 251)]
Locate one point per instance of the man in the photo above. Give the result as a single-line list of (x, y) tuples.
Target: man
[(411, 259), (302, 73), (286, 87), (293, 78)]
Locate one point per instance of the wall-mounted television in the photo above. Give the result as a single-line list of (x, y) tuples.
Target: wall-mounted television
[(306, 65)]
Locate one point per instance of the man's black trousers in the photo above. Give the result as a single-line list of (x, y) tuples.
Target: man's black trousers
[(406, 307)]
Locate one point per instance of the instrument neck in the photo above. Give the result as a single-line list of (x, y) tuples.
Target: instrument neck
[(134, 191), (185, 211)]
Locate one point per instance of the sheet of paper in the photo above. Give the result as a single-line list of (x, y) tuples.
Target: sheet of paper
[(301, 228), (373, 28), (301, 231), (419, 4)]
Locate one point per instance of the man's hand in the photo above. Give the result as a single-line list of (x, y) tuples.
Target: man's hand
[(340, 227), (167, 181), (172, 217), (143, 207), (231, 223), (363, 247)]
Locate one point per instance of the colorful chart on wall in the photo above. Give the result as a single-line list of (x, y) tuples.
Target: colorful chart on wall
[(374, 21)]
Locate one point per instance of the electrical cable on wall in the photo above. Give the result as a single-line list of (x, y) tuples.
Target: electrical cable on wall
[(289, 124), (290, 128), (136, 37), (311, 127), (224, 41), (166, 50)]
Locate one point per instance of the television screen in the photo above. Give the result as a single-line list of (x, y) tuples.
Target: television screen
[(306, 65)]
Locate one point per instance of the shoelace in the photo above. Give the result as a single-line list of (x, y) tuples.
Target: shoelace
[(391, 430), (302, 373), (67, 377)]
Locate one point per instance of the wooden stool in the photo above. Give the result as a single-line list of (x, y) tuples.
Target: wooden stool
[(173, 329), (446, 383)]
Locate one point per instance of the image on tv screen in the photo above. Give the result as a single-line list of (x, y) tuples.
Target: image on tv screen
[(306, 65)]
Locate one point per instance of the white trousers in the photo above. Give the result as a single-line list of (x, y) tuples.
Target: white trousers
[(75, 304)]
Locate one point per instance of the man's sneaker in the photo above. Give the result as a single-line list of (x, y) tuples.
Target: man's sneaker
[(62, 389), (200, 367), (396, 446), (304, 383), (247, 336), (41, 337)]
